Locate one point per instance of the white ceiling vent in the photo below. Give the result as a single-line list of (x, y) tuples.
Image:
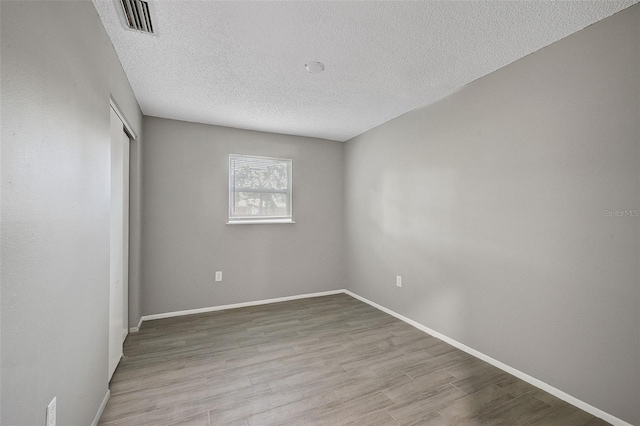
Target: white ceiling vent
[(137, 15)]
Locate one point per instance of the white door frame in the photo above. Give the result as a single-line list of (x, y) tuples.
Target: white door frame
[(121, 133), (127, 127)]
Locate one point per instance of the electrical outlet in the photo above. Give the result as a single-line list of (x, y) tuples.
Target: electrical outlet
[(398, 280), (51, 413), (218, 276)]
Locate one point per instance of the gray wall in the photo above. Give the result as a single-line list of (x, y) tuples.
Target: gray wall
[(491, 205), (58, 71), (185, 238)]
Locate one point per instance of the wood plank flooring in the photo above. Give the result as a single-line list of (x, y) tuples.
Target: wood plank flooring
[(320, 361)]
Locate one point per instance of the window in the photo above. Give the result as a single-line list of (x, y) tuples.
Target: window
[(259, 189)]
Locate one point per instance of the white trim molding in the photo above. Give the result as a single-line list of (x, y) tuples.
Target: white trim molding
[(258, 222), (127, 126), (237, 305), (101, 408), (136, 329), (519, 374)]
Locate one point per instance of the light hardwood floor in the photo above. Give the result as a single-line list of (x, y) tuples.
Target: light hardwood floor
[(329, 360)]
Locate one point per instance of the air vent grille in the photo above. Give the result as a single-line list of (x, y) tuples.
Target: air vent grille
[(137, 15)]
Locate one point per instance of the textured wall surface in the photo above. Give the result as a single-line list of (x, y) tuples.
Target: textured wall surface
[(58, 71), (492, 205), (185, 238)]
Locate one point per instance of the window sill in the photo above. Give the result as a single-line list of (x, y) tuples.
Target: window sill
[(259, 221)]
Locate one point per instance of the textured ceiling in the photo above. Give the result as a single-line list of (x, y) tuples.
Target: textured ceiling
[(242, 64)]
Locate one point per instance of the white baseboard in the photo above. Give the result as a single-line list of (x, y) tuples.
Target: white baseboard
[(519, 374), (103, 404), (136, 329), (236, 305)]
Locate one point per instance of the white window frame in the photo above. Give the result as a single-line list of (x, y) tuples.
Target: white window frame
[(234, 219)]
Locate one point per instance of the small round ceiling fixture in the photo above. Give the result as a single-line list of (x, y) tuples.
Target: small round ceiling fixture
[(314, 67)]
